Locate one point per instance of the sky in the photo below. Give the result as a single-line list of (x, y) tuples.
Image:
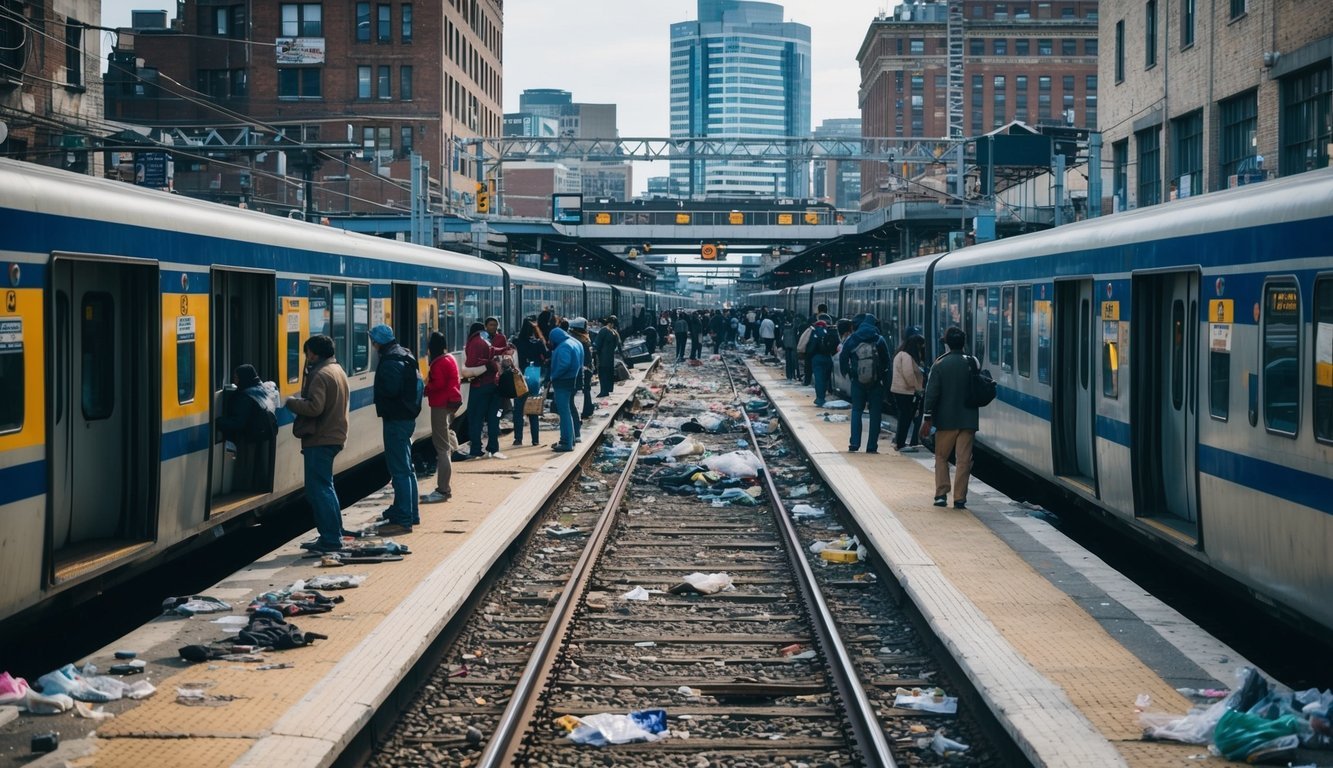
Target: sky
[(616, 51)]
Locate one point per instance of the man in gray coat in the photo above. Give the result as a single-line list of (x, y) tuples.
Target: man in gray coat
[(954, 421)]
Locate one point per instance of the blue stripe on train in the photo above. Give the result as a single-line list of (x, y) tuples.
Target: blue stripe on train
[(22, 481), (189, 440)]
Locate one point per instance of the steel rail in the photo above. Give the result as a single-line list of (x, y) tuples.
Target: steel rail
[(861, 716), (518, 715)]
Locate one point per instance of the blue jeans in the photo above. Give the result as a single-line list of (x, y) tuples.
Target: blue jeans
[(533, 421), (564, 405), (320, 493), (863, 395), (481, 410), (823, 365), (398, 455)]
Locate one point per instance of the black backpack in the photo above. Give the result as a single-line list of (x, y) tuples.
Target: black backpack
[(826, 343), (981, 387)]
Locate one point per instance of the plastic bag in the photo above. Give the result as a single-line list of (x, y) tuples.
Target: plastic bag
[(709, 583), (687, 447), (805, 511), (1250, 738), (837, 405), (606, 728), (1194, 728), (735, 464)]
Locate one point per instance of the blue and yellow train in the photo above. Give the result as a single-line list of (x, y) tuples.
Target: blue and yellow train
[(126, 311), (1172, 366)]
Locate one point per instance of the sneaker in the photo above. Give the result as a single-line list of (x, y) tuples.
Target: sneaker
[(851, 449), (819, 403), (941, 501), (434, 497), (872, 450), (457, 457), (393, 529), (517, 443), (321, 547), (960, 504), (909, 449), (561, 448), (498, 455), (578, 438)]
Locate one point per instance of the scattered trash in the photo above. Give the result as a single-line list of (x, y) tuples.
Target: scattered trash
[(606, 728), (189, 606), (1249, 738), (805, 512), (126, 654), (282, 665), (1206, 693), (836, 418), (44, 742), (931, 701), (200, 697), (341, 581), (942, 744), (799, 492), (837, 405), (13, 690), (638, 593), (87, 711), (838, 556), (736, 497), (645, 644), (47, 704), (563, 532), (704, 584), (75, 684), (238, 621), (840, 550), (789, 650), (735, 464)]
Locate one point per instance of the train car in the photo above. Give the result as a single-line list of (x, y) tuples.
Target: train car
[(597, 300), (624, 302), (1172, 366), (530, 291), (126, 312), (765, 299), (829, 293), (894, 293)]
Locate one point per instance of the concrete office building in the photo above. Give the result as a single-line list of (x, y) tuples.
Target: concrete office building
[(738, 71), (539, 109), (1203, 96), (838, 181)]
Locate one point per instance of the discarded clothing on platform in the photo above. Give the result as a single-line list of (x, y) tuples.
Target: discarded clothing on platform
[(265, 632), (189, 606)]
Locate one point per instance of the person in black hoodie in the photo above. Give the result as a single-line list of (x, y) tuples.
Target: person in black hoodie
[(249, 420), (398, 389), (605, 346), (531, 348)]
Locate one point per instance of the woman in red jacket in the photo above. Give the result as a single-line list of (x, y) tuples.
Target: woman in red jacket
[(482, 407), (444, 393)]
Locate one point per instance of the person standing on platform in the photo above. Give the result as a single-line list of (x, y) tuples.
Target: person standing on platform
[(954, 421), (249, 420), (482, 408), (823, 346), (696, 322), (398, 390), (605, 346), (681, 328), (768, 332), (444, 395), (865, 362), (578, 329), (566, 365), (531, 348), (321, 424), (908, 384), (663, 328), (791, 332), (717, 329)]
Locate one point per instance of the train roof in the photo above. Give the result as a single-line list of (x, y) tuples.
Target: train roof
[(895, 272), (529, 275)]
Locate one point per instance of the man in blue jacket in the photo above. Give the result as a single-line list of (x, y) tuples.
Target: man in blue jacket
[(865, 362), (566, 364), (398, 402)]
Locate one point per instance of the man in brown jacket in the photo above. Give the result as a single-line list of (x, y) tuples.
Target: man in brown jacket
[(321, 423)]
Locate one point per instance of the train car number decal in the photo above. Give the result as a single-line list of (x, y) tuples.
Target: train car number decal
[(185, 328), (11, 334)]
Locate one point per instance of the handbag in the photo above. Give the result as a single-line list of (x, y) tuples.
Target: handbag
[(533, 405), (520, 384)]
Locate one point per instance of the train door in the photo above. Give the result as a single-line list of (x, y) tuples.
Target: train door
[(243, 333), (1072, 412), (1164, 366), (404, 315), (104, 411)]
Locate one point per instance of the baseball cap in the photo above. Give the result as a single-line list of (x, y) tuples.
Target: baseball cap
[(579, 323), (381, 334)]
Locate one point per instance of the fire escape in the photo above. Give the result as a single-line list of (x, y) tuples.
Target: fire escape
[(955, 93)]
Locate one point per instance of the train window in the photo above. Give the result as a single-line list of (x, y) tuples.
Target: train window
[(471, 310), (993, 325), (320, 322), (338, 322), (1042, 309), (97, 356), (1323, 360), (1024, 315), (978, 331), (1219, 384), (360, 328), (1281, 358), (1084, 351), (1110, 359), (185, 360), (942, 319), (11, 374), (1007, 330)]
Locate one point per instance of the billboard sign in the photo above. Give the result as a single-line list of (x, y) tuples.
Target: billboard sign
[(300, 50), (567, 209)]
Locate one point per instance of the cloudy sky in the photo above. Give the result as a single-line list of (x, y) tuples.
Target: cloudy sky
[(617, 51)]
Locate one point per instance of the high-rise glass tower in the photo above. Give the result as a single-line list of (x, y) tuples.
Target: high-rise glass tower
[(740, 71)]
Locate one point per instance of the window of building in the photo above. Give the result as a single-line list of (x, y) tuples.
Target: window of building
[(13, 35), (1001, 47), (383, 85), (98, 353), (1045, 47), (978, 102), (1067, 12), (405, 141), (363, 82), (1068, 47), (1021, 97), (74, 54), (1120, 174), (11, 375), (405, 83), (1090, 103), (1120, 51), (363, 22), (1305, 127), (1281, 383), (1186, 23), (300, 83), (1044, 97), (916, 45), (978, 11), (1150, 34), (1323, 360), (1090, 46), (1237, 8), (302, 20), (1022, 47), (1188, 156), (976, 47), (407, 23), (1148, 142), (383, 24), (214, 82), (1024, 315), (1001, 11), (1238, 118), (999, 100)]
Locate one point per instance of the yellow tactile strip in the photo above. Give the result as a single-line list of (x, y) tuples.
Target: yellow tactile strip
[(1044, 625), (301, 716)]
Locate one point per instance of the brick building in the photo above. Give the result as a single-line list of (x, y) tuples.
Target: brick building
[(1204, 96), (51, 83), (389, 77), (1030, 60)]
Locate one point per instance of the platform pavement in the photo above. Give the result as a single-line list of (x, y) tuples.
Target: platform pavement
[(304, 716), (1058, 644)]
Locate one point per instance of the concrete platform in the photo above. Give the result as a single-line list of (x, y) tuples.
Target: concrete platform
[(1058, 643), (305, 715)]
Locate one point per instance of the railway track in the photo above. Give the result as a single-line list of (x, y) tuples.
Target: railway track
[(687, 595)]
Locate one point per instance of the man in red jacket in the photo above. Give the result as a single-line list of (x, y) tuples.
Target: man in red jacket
[(444, 394)]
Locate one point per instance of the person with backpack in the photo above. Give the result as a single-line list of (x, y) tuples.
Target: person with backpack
[(955, 420), (865, 362), (249, 421), (321, 424), (398, 390), (823, 346)]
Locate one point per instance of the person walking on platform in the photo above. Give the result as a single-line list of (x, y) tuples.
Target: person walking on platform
[(823, 346), (681, 328), (865, 362), (696, 322), (321, 424), (578, 330), (791, 332), (566, 365), (605, 346), (954, 421), (398, 390), (444, 395), (768, 332), (908, 385), (717, 328), (482, 408)]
